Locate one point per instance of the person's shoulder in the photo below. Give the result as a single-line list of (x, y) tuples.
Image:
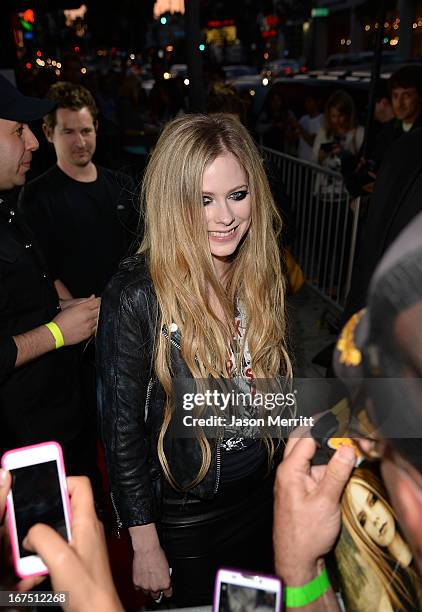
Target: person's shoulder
[(321, 134), (360, 134), (117, 177), (389, 129), (43, 184), (132, 281), (404, 152)]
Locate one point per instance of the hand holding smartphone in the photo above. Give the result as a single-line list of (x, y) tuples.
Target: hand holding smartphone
[(236, 591), (38, 495)]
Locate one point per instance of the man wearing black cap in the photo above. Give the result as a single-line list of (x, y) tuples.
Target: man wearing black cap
[(39, 372), (383, 347)]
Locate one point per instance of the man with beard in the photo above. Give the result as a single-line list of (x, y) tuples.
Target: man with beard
[(83, 215)]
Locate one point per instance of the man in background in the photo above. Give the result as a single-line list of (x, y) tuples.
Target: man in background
[(405, 90), (84, 216)]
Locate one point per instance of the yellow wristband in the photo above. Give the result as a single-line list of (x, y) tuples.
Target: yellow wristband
[(56, 332)]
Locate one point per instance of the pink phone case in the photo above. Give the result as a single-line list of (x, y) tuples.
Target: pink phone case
[(245, 573), (11, 515)]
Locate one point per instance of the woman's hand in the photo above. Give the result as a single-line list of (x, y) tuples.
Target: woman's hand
[(150, 566)]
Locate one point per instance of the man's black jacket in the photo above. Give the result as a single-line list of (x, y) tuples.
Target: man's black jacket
[(39, 400)]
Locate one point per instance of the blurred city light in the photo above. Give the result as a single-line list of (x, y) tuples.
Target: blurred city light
[(163, 20), (28, 16), (186, 81), (202, 47)]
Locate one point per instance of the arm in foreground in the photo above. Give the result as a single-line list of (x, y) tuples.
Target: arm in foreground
[(307, 516), (82, 567)]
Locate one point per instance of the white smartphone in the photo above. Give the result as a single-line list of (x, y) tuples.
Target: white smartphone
[(237, 591), (38, 495)]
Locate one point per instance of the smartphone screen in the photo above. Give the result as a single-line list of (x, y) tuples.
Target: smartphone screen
[(37, 498), (237, 598)]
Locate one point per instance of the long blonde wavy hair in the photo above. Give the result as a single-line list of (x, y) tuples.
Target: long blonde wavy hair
[(378, 558), (182, 270)]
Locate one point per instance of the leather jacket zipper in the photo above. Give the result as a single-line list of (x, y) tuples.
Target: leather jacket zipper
[(149, 389), (166, 335), (119, 522), (218, 459)]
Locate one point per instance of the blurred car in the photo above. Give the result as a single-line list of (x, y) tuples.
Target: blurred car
[(238, 70), (281, 67), (179, 70), (355, 61)]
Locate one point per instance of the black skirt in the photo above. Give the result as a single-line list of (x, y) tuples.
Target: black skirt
[(234, 530)]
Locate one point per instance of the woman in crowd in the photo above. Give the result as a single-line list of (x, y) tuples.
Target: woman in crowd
[(202, 300), (340, 136)]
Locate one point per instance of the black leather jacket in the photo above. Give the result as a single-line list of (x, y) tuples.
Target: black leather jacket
[(131, 401)]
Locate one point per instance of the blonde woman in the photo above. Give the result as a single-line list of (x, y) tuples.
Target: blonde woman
[(340, 131), (389, 583), (203, 299)]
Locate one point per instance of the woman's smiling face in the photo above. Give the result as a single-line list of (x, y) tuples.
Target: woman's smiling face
[(227, 207)]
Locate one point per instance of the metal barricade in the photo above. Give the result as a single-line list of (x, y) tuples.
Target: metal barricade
[(325, 222)]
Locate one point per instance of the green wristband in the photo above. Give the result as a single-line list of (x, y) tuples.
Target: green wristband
[(56, 332), (296, 597)]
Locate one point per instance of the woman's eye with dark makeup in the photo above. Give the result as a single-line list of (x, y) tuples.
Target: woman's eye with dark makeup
[(362, 518), (239, 195), (371, 499), (206, 200)]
